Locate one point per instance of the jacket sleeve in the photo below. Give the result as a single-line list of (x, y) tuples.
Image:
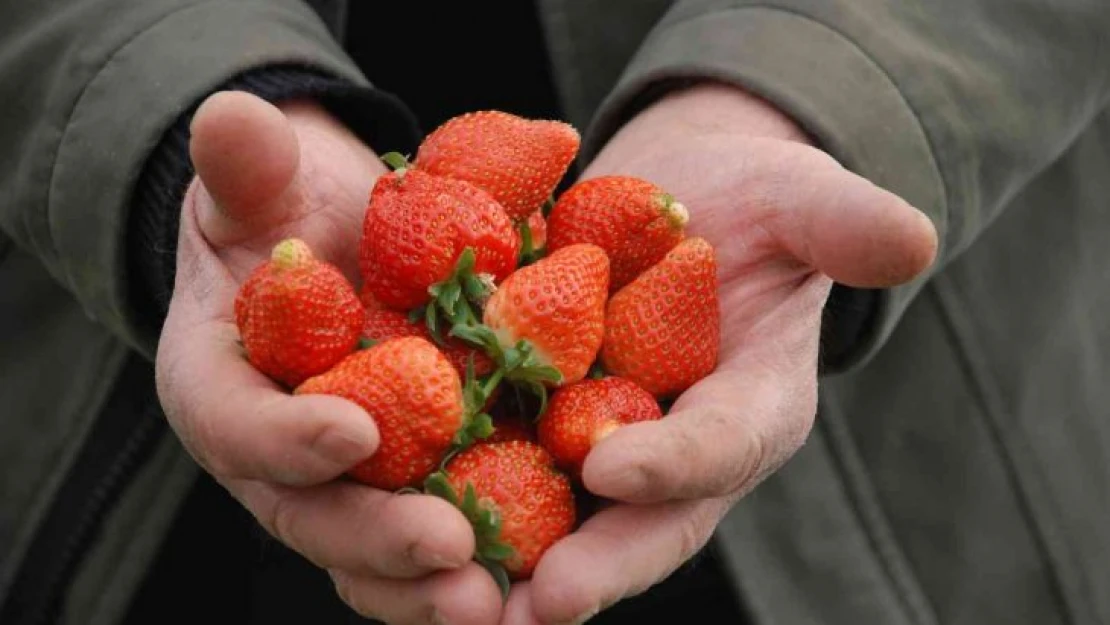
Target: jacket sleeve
[(91, 86), (953, 104)]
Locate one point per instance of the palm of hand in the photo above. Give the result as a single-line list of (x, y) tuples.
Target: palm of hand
[(784, 219)]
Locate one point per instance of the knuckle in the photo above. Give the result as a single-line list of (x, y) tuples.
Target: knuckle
[(281, 521), (694, 531), (345, 590), (750, 458)]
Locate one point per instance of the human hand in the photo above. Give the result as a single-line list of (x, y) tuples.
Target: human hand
[(786, 220), (265, 174)]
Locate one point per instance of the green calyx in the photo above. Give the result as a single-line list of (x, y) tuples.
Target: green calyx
[(459, 293), (528, 251), (396, 161), (477, 425), (485, 520), (519, 364)]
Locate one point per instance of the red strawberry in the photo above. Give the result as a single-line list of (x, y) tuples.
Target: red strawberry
[(634, 221), (367, 299), (297, 315), (582, 414), (538, 226), (415, 398), (516, 160), (519, 504), (382, 324), (417, 226), (558, 306), (662, 331)]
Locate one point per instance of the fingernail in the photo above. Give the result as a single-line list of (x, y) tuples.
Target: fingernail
[(345, 445), (429, 558), (437, 618)]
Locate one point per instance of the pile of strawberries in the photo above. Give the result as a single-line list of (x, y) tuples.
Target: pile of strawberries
[(481, 296)]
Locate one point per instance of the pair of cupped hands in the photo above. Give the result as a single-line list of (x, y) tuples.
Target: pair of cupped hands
[(786, 220)]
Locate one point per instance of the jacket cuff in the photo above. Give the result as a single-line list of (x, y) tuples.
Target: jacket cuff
[(155, 213), (123, 111), (833, 89)]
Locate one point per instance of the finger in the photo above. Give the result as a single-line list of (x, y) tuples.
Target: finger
[(618, 553), (849, 229), (518, 607), (362, 530), (465, 596), (727, 434), (239, 425), (247, 156), (732, 428)]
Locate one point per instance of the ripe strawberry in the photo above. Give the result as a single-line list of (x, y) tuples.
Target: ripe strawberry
[(367, 298), (634, 221), (582, 414), (538, 226), (516, 160), (297, 315), (518, 503), (662, 331), (416, 228), (557, 305), (415, 398), (382, 324)]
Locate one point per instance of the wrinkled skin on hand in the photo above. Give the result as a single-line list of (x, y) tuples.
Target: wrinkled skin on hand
[(265, 174), (785, 220)]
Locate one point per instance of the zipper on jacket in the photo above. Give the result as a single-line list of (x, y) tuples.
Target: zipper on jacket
[(124, 436)]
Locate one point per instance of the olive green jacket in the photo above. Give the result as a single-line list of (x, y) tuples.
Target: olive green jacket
[(960, 468)]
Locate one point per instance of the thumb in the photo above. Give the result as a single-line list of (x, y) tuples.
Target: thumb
[(855, 232), (246, 155)]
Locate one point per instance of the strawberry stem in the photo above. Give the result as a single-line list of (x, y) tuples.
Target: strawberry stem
[(518, 364), (528, 252), (457, 295), (489, 551)]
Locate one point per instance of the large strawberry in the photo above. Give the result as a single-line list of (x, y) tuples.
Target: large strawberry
[(416, 229), (518, 161), (633, 220), (517, 501), (416, 400), (297, 315), (582, 414), (662, 331), (545, 323)]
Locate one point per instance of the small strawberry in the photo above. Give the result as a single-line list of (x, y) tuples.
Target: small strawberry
[(382, 324), (662, 331), (634, 221), (582, 414), (533, 235), (545, 322), (417, 227), (415, 398), (516, 160), (517, 501), (297, 315)]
